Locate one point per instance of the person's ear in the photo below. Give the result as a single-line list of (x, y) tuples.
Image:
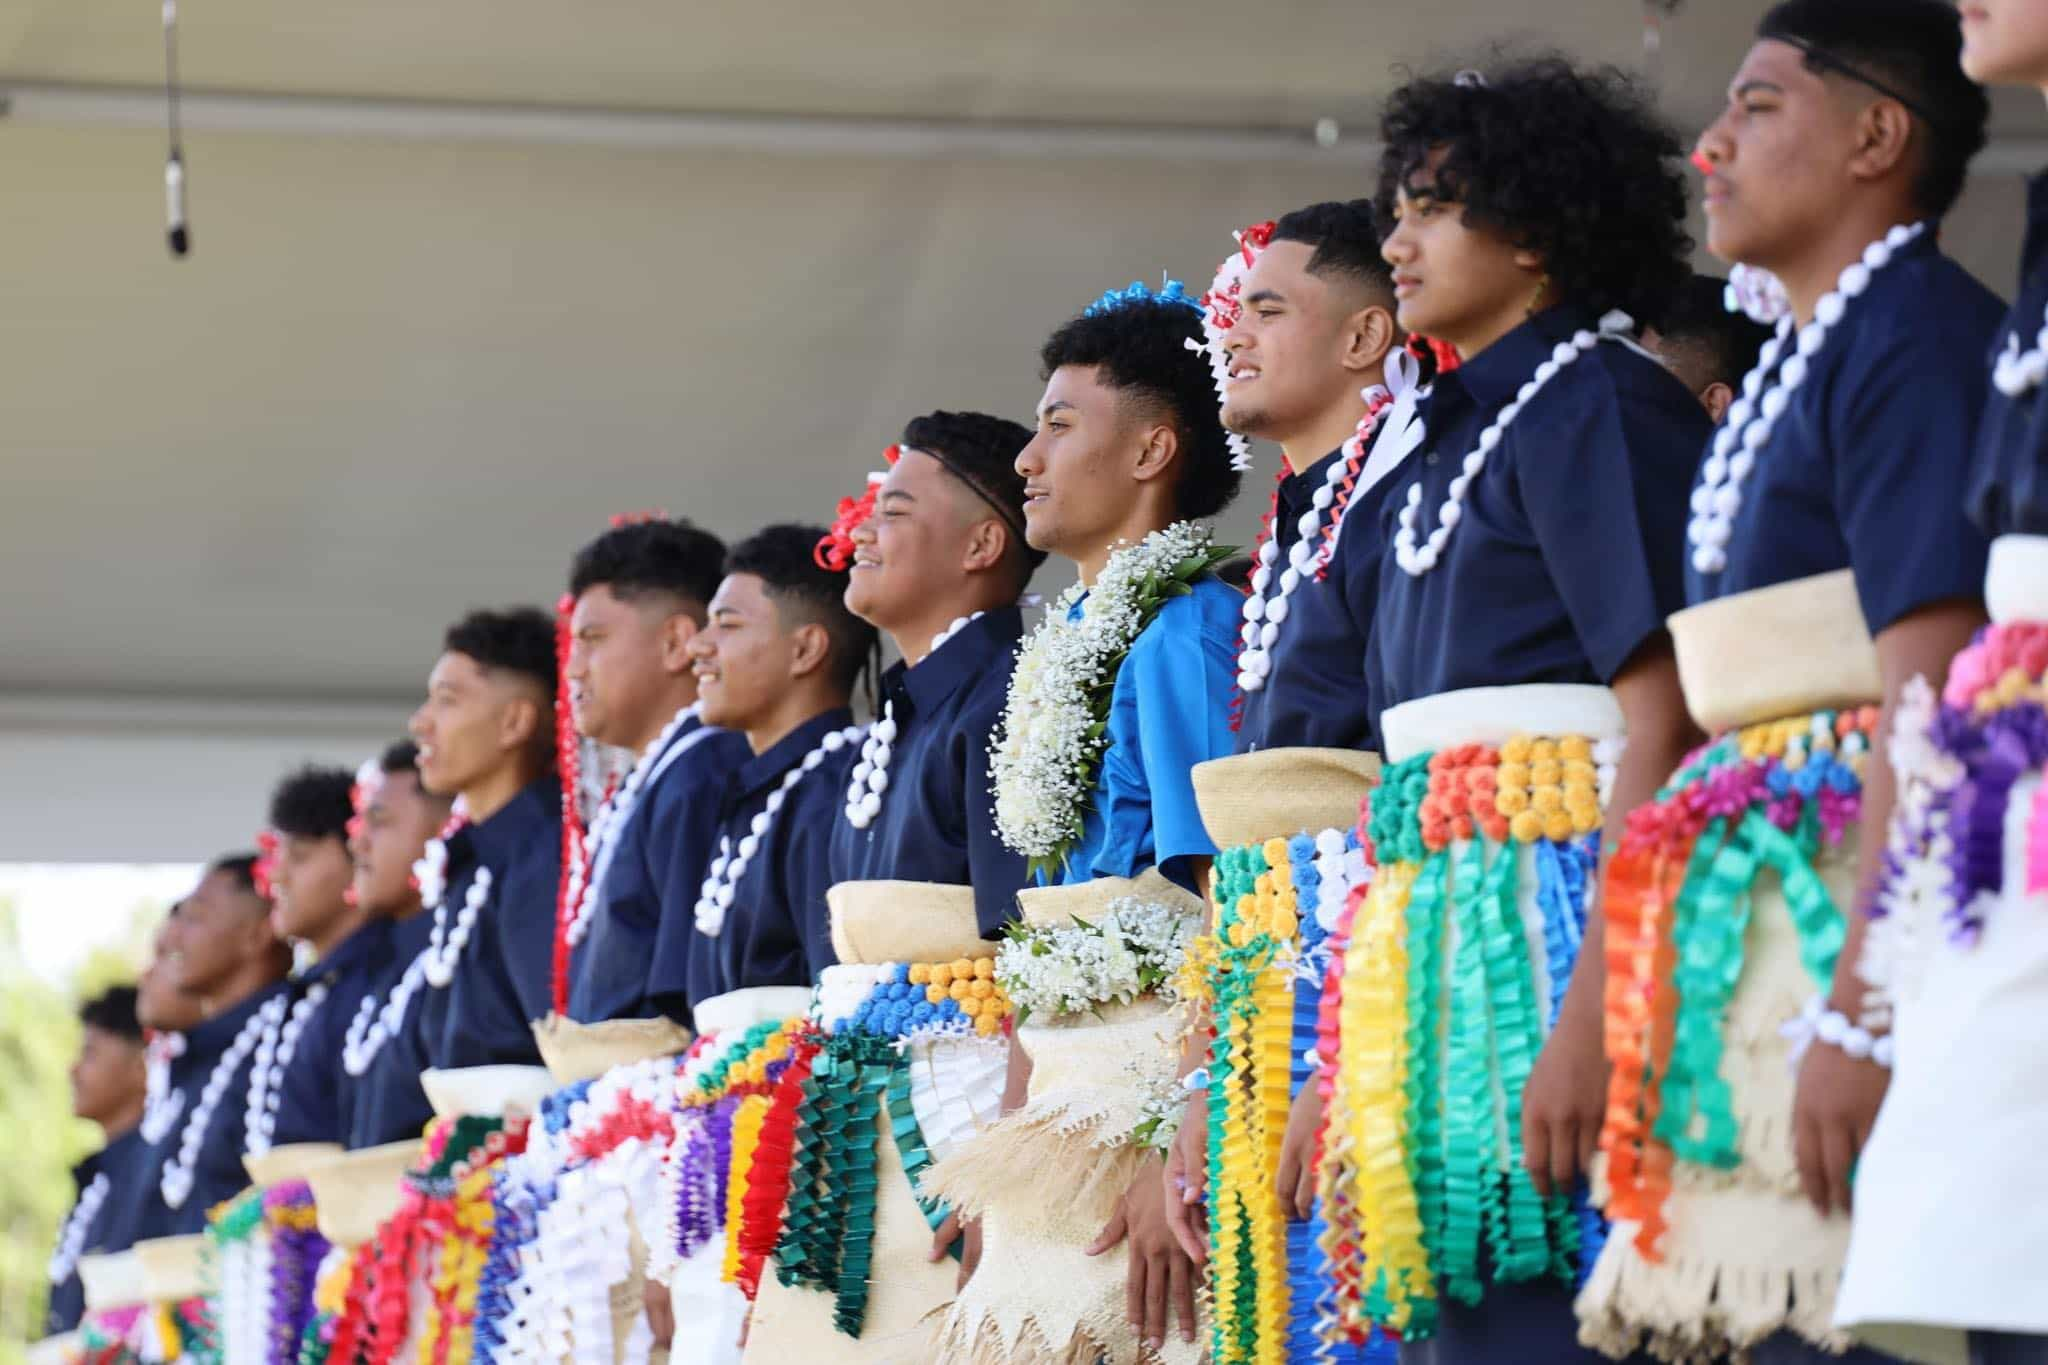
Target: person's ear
[(1155, 456), (1370, 334), (1884, 136), (810, 645), (1717, 397), (518, 723), (677, 630), (987, 541)]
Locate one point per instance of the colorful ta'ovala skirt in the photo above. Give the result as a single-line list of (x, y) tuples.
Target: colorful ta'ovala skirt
[(1725, 915), (1485, 839), (1276, 897), (263, 1249), (913, 1047), (1038, 1297), (1951, 1227)]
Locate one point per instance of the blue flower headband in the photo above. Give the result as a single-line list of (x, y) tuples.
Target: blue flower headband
[(1114, 299)]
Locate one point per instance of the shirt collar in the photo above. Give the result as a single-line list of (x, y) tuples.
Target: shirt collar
[(1497, 373), (522, 820), (212, 1036), (766, 770), (965, 656), (352, 951)]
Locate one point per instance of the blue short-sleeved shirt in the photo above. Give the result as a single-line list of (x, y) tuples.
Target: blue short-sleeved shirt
[(504, 979), (1567, 556), (651, 873), (112, 1227), (2008, 485), (778, 930), (1315, 695), (386, 1103), (217, 1172), (312, 1098), (1864, 469), (937, 822), (1168, 710)]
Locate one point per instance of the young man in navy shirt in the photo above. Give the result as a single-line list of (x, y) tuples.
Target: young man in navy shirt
[(641, 591), (777, 662), (221, 949), (1708, 347), (939, 565), (397, 818), (107, 1084), (292, 1092)]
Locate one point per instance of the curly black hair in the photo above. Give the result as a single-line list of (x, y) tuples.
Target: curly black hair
[(1571, 163), (1140, 347), (642, 557), (1908, 49), (113, 1011), (313, 803), (981, 451), (399, 756), (517, 640), (1345, 235), (781, 557)]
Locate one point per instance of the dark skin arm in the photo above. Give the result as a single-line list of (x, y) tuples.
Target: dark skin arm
[(1837, 1098), (1565, 1101)]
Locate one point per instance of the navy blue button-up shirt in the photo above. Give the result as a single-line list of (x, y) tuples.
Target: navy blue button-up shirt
[(313, 1096), (778, 930), (217, 1172), (504, 979), (653, 869), (112, 1228), (1568, 555), (1864, 469), (1315, 696), (386, 1103), (937, 822), (2008, 485)]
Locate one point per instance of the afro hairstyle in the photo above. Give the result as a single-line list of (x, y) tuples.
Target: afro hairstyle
[(313, 803)]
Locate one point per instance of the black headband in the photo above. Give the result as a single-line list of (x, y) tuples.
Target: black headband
[(1011, 518), (1821, 57)]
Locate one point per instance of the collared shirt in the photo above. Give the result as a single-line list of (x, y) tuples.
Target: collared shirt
[(1863, 469), (1169, 709), (313, 1096), (652, 873), (386, 1103), (1566, 557), (112, 1227), (217, 1172), (504, 977), (1315, 695), (2008, 482), (777, 931), (937, 822)]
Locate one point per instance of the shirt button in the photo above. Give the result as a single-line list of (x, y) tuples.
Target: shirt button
[(1429, 458)]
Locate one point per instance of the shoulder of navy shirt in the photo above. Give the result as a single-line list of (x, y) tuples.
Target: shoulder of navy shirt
[(937, 822), (777, 932), (2008, 483), (1315, 696), (386, 1103), (656, 867), (1568, 554), (112, 1228), (504, 979), (1860, 471), (313, 1097)]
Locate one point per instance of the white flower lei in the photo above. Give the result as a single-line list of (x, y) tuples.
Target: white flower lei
[(1045, 751), (1136, 950)]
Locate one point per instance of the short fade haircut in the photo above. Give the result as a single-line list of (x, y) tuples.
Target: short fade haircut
[(1726, 343), (781, 556), (1140, 347), (981, 451), (517, 640), (113, 1011), (240, 868), (400, 756), (1911, 51), (641, 558), (1345, 239), (313, 803)]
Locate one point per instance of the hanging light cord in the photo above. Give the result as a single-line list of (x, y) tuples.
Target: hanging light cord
[(179, 235)]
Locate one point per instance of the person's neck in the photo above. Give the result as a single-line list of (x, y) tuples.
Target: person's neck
[(339, 929), (249, 978), (978, 593), (1839, 243), (1332, 428), (402, 911), (1146, 515), (122, 1121), (800, 704), (494, 790), (1470, 341), (681, 692)]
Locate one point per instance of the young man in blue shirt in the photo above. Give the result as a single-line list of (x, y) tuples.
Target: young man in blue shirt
[(641, 591), (107, 1082)]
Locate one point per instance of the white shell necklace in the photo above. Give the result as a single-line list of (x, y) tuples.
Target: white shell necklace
[(161, 1105), (77, 1227), (434, 965), (2016, 371), (1747, 428), (176, 1184), (1416, 560), (871, 775), (715, 898), (587, 874), (274, 1053)]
